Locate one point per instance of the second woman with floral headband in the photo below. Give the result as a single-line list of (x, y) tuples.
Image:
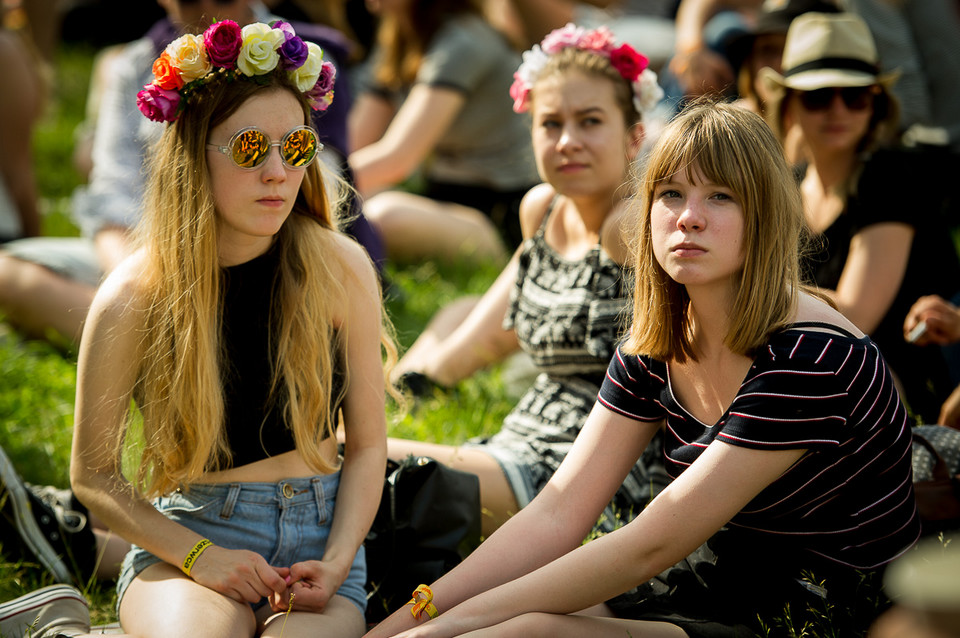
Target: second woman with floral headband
[(242, 327), (563, 296)]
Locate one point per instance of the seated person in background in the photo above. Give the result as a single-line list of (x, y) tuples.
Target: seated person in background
[(880, 243), (21, 104), (48, 283), (934, 321), (787, 443), (563, 296), (436, 99)]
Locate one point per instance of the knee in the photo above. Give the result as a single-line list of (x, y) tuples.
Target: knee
[(14, 277)]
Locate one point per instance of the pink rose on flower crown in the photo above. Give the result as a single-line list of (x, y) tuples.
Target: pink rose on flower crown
[(567, 36), (222, 42), (159, 105), (328, 75), (628, 62), (519, 92), (599, 40)]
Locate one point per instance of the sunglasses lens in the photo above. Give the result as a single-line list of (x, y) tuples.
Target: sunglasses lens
[(816, 100), (856, 98), (250, 149), (299, 147)]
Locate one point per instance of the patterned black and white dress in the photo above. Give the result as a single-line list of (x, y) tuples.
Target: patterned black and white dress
[(568, 316)]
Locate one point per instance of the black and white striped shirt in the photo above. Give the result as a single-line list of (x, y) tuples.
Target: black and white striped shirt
[(850, 497)]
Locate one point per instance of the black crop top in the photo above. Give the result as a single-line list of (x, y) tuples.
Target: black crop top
[(255, 425)]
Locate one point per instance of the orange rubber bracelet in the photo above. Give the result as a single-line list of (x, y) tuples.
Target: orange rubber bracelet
[(421, 601)]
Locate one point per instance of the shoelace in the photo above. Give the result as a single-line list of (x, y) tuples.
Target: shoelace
[(69, 519)]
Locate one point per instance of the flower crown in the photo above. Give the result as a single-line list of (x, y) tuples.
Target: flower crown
[(226, 50), (630, 64)]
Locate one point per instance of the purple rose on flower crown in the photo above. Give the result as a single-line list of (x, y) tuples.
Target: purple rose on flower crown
[(293, 53), (222, 42), (286, 27), (159, 105)]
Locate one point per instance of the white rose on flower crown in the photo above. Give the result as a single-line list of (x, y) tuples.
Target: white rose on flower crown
[(188, 55), (258, 55)]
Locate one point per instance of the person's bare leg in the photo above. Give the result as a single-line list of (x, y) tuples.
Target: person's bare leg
[(541, 625), (162, 602), (111, 550), (496, 497), (36, 300), (415, 228), (340, 618)]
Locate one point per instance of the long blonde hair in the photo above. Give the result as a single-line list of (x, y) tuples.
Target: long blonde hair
[(179, 389), (734, 147)]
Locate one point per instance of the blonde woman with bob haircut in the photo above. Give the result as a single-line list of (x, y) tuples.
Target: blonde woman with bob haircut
[(241, 327), (787, 443)]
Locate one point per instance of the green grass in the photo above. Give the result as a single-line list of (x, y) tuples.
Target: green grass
[(37, 380)]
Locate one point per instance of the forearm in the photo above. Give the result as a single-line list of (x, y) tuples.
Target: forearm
[(358, 497), (131, 517), (377, 167), (480, 339)]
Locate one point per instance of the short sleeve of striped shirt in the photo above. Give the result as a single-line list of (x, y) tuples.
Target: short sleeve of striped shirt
[(634, 386), (810, 390)]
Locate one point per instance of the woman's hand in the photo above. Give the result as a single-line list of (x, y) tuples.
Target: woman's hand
[(311, 584), (239, 574), (941, 317)]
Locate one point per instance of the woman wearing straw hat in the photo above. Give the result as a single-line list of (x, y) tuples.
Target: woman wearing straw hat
[(880, 246)]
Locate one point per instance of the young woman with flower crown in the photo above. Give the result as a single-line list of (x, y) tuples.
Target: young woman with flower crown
[(563, 296), (787, 442), (241, 327)]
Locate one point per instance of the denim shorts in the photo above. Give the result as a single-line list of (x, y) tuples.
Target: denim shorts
[(285, 522), (74, 258)]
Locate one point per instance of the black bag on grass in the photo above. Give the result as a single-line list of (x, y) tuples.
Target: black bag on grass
[(428, 521)]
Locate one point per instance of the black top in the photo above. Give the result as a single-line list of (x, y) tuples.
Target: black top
[(255, 425), (890, 189)]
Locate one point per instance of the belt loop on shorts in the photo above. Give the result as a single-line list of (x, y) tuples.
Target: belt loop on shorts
[(317, 484), (233, 493)]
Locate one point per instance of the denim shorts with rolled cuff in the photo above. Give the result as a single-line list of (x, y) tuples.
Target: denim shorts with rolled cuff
[(285, 522)]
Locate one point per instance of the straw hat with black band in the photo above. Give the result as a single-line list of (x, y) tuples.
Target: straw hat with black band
[(831, 50)]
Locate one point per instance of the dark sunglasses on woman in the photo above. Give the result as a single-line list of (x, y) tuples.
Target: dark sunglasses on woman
[(856, 98)]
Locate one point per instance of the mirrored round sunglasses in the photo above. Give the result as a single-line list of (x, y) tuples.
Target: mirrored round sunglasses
[(249, 147)]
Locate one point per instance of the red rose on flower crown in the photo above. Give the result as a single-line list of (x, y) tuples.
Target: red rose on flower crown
[(225, 49), (629, 63)]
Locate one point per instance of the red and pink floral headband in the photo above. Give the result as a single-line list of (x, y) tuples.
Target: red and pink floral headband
[(225, 49), (631, 65)]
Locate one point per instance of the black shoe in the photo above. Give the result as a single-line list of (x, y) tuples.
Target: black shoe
[(57, 536), (419, 385)]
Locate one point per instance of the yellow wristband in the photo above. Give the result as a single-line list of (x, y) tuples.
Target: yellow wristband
[(421, 601), (194, 554)]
